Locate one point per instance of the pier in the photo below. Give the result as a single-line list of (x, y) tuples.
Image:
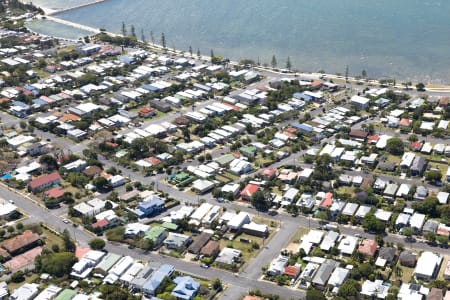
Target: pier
[(54, 11)]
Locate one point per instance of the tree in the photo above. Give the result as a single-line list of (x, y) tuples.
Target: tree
[(101, 183), (49, 161), (190, 50), (372, 224), (364, 73), (430, 237), (212, 55), (124, 29), (18, 276), (198, 52), (274, 62), (346, 73), (133, 31), (313, 294), (395, 146), (350, 288), (57, 264), (217, 284), (163, 40), (69, 245), (259, 201), (288, 63), (445, 214), (420, 87), (407, 231), (143, 35), (413, 138), (433, 176), (428, 206), (97, 244)]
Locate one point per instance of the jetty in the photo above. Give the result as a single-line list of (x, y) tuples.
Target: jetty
[(73, 24), (57, 11)]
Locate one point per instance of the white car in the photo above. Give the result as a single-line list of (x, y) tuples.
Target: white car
[(65, 221)]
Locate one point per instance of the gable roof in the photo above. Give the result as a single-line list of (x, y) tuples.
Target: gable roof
[(21, 241), (36, 183)]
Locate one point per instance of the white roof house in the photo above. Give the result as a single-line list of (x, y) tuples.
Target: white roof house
[(403, 190), (277, 265), (25, 292), (48, 293), (201, 212), (338, 276), (348, 244), (407, 159), (239, 220), (417, 220), (427, 266)]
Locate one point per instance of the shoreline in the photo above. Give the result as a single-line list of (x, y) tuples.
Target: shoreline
[(50, 16)]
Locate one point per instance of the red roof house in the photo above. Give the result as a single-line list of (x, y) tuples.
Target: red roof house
[(373, 139), (326, 201), (102, 224), (44, 182), (292, 271), (405, 122), (147, 112), (416, 146), (368, 247), (248, 191), (56, 193), (268, 173)]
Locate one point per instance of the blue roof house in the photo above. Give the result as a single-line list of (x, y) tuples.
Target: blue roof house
[(186, 288), (150, 206), (156, 279)]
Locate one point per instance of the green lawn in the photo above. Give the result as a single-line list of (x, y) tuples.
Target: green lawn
[(52, 239), (247, 249), (300, 232), (28, 279)]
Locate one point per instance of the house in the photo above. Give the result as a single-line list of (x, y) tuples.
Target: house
[(228, 256), (412, 291), (289, 196), (92, 171), (44, 182), (268, 174), (427, 266), (408, 259), (186, 288), (261, 230), (324, 272), (152, 284), (277, 265), (176, 240), (238, 221), (435, 294), (157, 235), (150, 206), (25, 292), (292, 271), (135, 229), (418, 166), (48, 293), (368, 247), (360, 102), (358, 134), (348, 245), (421, 193), (199, 242), (202, 186), (387, 253), (375, 289), (211, 249), (248, 191), (22, 242), (338, 277), (55, 193), (137, 284)]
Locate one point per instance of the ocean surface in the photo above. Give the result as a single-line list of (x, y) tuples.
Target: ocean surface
[(401, 39)]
